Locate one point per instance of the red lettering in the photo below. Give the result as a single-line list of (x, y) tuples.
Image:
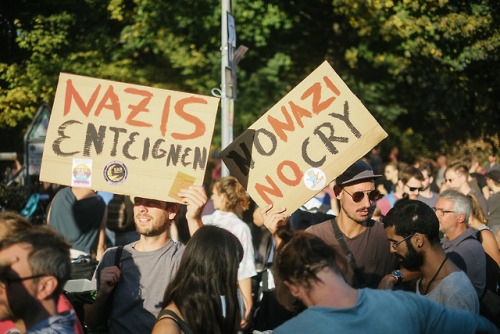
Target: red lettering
[(299, 112), (280, 126), (164, 116), (199, 125), (262, 189), (141, 107), (315, 91), (71, 93), (295, 169), (114, 105), (330, 85)]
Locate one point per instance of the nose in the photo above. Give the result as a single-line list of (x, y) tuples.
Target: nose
[(391, 249)]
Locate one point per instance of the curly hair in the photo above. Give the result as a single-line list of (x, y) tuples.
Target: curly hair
[(236, 197)]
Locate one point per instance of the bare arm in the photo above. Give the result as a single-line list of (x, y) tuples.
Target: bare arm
[(195, 199), (96, 313), (101, 242), (388, 281), (166, 325), (246, 292), (490, 245)]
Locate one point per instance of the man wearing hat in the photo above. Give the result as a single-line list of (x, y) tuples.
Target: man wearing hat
[(493, 182), (357, 233)]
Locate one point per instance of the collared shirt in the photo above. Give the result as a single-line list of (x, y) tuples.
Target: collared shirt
[(62, 323), (468, 254)]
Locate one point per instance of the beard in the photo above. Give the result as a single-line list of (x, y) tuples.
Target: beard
[(413, 260)]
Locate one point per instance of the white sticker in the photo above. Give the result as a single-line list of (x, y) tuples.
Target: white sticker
[(81, 173), (315, 179)]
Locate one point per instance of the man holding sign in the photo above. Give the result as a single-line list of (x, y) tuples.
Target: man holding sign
[(354, 230), (132, 292)]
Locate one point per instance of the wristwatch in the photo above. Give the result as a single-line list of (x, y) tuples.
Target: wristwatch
[(397, 275)]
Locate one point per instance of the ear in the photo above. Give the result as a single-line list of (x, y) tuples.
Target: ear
[(419, 240), (431, 179), (172, 210), (400, 185), (461, 218), (294, 289), (46, 287)]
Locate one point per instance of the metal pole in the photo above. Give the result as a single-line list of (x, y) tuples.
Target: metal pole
[(226, 125)]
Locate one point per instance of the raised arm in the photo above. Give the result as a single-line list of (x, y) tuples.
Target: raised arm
[(195, 199)]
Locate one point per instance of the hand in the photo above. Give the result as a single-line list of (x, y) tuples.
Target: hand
[(109, 277), (387, 282), (272, 218), (6, 263), (195, 199)]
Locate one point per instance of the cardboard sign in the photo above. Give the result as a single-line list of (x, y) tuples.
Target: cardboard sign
[(302, 143), (127, 139)]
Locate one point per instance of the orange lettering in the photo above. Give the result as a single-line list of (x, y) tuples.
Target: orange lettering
[(72, 93), (295, 169), (315, 91), (164, 116), (330, 85), (280, 126), (261, 189), (114, 105), (141, 107), (199, 125), (299, 112)]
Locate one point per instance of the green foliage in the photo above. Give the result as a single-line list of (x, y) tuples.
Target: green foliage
[(427, 70)]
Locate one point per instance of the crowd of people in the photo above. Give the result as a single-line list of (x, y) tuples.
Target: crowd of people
[(397, 247)]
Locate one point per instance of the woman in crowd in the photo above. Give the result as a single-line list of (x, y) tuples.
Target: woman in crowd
[(478, 221), (202, 298), (230, 200)]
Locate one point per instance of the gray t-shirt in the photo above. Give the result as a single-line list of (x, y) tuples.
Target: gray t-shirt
[(144, 277), (456, 291)]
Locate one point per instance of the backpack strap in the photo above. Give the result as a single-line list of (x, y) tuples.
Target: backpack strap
[(172, 315), (350, 256), (118, 255)]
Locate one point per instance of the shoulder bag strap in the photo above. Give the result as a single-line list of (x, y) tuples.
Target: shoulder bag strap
[(350, 256), (118, 256), (172, 315)]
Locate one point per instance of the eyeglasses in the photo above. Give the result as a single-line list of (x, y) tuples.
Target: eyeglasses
[(394, 245), (442, 212), (359, 195), (8, 280), (414, 188)]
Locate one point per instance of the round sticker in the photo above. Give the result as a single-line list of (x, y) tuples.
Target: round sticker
[(115, 173), (82, 172), (315, 179)]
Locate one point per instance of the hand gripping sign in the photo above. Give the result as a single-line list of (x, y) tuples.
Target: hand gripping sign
[(303, 142), (127, 139)]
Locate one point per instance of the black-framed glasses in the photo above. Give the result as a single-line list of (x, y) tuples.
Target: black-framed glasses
[(442, 212), (394, 245), (359, 195), (414, 188), (8, 280)]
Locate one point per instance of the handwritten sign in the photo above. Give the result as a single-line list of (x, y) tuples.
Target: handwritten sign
[(127, 139), (303, 142)]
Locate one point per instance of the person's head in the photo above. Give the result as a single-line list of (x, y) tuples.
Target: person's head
[(456, 175), (409, 223), (453, 210), (410, 182), (441, 161), (40, 266), (493, 179), (229, 195), (426, 170), (11, 223), (153, 217), (298, 263), (492, 157), (355, 189), (391, 172), (207, 271)]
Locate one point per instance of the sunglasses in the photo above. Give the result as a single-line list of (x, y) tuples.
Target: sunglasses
[(415, 188), (359, 195)]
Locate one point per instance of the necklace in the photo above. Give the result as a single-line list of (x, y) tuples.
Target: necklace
[(435, 275)]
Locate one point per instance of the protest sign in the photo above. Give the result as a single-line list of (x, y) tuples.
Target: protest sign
[(127, 139), (303, 142)]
